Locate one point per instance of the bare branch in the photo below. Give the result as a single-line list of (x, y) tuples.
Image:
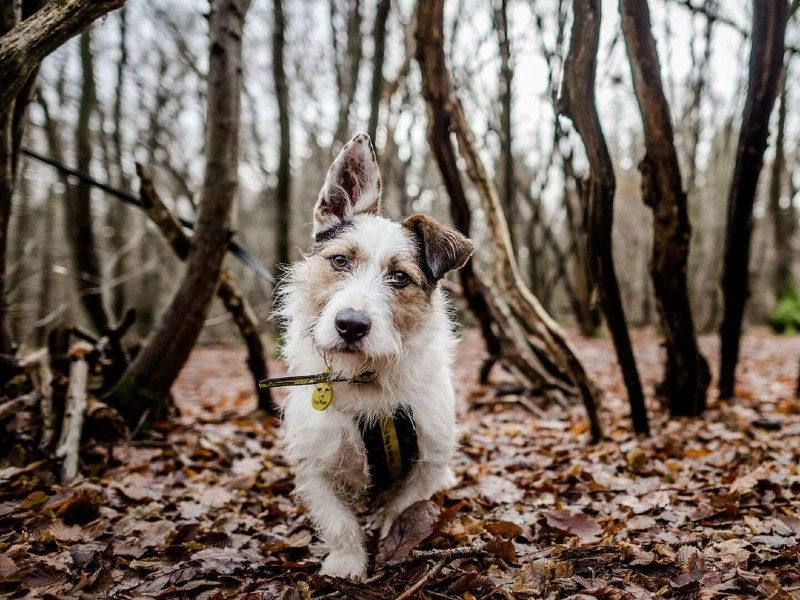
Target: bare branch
[(24, 47)]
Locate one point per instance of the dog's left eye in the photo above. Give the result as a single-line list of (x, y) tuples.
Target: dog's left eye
[(399, 279), (340, 262)]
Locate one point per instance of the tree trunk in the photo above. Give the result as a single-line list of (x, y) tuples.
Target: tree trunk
[(783, 218), (237, 305), (686, 376), (141, 392), (766, 59), (378, 53), (9, 18), (578, 103), (507, 188), (46, 268), (533, 345), (349, 67), (85, 252), (23, 48), (283, 189), (118, 214), (436, 91)]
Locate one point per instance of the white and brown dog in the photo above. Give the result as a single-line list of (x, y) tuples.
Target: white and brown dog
[(366, 299)]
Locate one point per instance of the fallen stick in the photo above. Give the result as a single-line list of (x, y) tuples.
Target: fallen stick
[(42, 379), (445, 554), (420, 583), (69, 442)]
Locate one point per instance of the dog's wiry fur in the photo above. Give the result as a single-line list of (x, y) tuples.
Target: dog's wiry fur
[(409, 345)]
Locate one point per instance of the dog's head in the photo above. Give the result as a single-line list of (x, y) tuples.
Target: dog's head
[(367, 284)]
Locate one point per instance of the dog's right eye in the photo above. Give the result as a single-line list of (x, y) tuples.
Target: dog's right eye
[(340, 262)]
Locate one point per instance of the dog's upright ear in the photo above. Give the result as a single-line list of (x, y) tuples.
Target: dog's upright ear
[(442, 248), (352, 186)]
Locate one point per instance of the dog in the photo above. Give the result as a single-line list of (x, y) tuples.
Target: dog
[(366, 299)]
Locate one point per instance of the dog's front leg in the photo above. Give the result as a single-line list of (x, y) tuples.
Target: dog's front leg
[(426, 479), (338, 527)]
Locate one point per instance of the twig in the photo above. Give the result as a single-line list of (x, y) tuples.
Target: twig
[(422, 581), (443, 553), (446, 554)]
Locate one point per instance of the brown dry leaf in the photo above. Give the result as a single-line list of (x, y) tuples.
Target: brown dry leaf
[(502, 549), (33, 499), (573, 523), (416, 523), (503, 528), (748, 481)]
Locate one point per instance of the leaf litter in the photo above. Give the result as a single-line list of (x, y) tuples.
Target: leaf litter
[(705, 508)]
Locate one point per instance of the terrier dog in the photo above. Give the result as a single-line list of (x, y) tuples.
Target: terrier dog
[(365, 306)]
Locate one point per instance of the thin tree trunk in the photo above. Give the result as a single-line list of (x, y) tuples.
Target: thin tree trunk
[(348, 72), (579, 104), (783, 218), (283, 189), (236, 304), (46, 267), (378, 53), (118, 214), (21, 254), (435, 90), (87, 269), (766, 59), (141, 392), (686, 375), (9, 18), (507, 190)]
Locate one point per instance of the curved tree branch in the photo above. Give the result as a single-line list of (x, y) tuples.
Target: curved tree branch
[(24, 47)]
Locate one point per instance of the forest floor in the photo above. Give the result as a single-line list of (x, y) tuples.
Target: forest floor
[(704, 508)]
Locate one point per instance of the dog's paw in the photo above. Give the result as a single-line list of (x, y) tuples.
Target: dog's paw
[(342, 563)]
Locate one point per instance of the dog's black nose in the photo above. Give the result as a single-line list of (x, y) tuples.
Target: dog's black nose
[(352, 325)]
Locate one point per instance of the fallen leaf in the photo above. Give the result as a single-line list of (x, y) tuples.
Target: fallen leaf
[(502, 549), (573, 523), (415, 524)]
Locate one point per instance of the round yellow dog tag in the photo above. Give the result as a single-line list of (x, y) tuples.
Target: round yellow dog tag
[(322, 396)]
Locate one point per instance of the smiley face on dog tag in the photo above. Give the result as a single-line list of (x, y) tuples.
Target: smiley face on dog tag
[(322, 396)]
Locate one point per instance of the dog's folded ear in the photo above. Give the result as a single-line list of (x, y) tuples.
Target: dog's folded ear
[(442, 248), (352, 186)]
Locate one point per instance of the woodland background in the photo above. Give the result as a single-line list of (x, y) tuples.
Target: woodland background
[(630, 173), (138, 75)]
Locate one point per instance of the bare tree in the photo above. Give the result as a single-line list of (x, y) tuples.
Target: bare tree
[(9, 17), (378, 53), (348, 66), (84, 248), (118, 215), (436, 91), (507, 187), (766, 59), (784, 219), (579, 104), (532, 344), (686, 375), (144, 386), (284, 187)]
